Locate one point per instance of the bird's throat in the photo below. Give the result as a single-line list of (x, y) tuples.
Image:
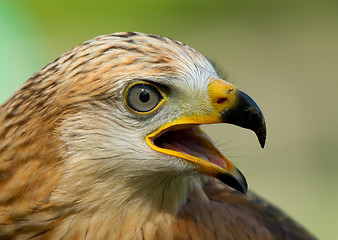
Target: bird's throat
[(162, 192)]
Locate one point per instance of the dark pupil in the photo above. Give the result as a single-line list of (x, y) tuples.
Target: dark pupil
[(144, 96)]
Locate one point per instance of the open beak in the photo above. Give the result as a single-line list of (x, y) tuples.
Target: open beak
[(184, 139)]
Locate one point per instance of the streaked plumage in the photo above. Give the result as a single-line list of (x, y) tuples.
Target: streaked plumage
[(77, 161)]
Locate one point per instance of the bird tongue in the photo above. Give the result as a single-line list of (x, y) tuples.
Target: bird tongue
[(192, 141)]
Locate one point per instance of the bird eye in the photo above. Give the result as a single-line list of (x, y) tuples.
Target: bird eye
[(143, 97)]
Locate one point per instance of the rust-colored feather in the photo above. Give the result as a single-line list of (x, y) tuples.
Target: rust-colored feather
[(232, 215), (224, 214)]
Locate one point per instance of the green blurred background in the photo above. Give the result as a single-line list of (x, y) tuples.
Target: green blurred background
[(283, 53)]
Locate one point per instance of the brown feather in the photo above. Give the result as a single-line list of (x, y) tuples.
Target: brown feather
[(226, 214)]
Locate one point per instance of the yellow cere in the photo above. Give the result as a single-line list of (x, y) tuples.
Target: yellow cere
[(221, 93)]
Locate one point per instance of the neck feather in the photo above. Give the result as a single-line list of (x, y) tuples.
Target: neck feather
[(125, 197)]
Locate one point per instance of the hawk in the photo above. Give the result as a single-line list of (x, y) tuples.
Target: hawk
[(105, 143)]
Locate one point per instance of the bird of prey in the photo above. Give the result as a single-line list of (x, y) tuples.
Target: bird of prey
[(105, 143)]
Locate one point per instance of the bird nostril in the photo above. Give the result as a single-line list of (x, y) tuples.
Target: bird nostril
[(222, 100)]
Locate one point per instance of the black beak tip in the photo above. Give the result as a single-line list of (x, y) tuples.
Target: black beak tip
[(238, 183), (261, 135), (262, 142)]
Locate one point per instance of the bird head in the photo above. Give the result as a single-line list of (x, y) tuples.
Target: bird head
[(126, 111)]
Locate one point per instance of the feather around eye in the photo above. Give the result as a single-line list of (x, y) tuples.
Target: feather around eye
[(143, 98)]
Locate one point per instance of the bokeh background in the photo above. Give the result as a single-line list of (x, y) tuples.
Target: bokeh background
[(283, 53)]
